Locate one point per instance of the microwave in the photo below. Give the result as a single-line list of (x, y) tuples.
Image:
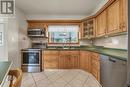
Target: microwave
[(36, 33)]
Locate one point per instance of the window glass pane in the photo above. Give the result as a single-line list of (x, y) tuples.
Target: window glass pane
[(63, 34)]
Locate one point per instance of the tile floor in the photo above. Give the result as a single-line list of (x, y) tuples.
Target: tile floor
[(59, 78)]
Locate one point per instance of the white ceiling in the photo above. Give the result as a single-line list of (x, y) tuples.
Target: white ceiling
[(58, 7)]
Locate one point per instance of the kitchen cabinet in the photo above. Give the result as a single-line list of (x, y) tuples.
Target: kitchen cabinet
[(36, 25), (50, 59), (89, 28), (124, 14), (113, 18), (85, 61), (95, 65), (90, 62), (69, 60), (101, 24)]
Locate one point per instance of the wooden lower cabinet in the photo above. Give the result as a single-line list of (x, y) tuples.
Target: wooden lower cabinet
[(50, 59), (95, 65), (90, 62), (85, 61), (69, 60)]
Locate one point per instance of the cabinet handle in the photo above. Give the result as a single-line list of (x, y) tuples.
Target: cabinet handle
[(123, 25), (112, 60), (120, 26)]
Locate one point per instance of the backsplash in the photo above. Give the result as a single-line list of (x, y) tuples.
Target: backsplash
[(85, 42), (112, 42)]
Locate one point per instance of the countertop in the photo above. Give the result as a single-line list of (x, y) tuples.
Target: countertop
[(112, 52), (4, 69)]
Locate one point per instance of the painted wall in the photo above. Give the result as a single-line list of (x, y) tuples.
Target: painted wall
[(17, 37), (112, 42), (4, 47), (102, 3)]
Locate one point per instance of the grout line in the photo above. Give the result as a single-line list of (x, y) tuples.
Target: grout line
[(62, 74), (85, 81), (34, 80)]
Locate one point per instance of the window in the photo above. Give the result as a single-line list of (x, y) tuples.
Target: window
[(63, 33)]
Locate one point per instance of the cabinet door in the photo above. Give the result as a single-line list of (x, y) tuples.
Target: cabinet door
[(85, 61), (74, 61), (124, 14), (64, 61), (101, 24), (69, 60), (95, 65), (50, 60), (113, 18)]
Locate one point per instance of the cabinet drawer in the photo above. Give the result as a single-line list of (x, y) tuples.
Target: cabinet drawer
[(95, 64), (50, 52), (50, 64), (51, 58), (69, 52), (95, 73)]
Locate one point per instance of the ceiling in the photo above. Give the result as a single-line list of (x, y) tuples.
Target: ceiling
[(58, 7)]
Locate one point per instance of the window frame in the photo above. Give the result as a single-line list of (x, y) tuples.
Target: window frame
[(65, 25)]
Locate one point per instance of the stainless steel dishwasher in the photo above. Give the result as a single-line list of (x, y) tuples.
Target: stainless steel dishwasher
[(113, 72)]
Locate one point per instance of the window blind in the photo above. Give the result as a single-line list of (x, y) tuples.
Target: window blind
[(63, 28)]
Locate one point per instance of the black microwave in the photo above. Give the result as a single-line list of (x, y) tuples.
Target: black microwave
[(36, 33)]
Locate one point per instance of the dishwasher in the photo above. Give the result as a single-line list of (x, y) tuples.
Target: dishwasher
[(113, 72)]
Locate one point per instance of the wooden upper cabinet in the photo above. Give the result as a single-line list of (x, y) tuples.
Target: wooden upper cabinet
[(124, 14), (113, 18), (101, 24), (88, 30), (37, 25)]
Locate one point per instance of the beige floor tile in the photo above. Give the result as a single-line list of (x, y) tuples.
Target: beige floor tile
[(59, 78), (54, 77), (59, 83), (92, 83), (81, 77), (76, 83), (43, 83), (68, 85), (28, 82), (49, 72), (27, 76), (39, 76)]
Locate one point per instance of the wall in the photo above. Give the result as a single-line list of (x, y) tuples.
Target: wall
[(103, 2), (112, 42), (4, 47), (17, 37)]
